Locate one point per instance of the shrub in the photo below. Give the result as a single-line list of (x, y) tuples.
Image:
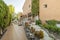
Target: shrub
[(51, 22), (26, 24), (38, 22), (39, 34), (52, 28), (32, 29), (58, 30), (46, 26), (4, 15), (58, 22)]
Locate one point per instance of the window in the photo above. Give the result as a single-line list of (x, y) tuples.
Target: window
[(45, 5)]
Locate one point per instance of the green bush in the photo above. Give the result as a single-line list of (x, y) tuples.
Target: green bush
[(51, 22), (58, 22), (52, 28), (4, 15), (32, 30), (38, 22), (46, 26)]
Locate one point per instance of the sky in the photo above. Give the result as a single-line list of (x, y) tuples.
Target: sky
[(18, 4)]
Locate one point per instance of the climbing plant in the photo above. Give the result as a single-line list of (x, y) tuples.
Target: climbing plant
[(35, 7)]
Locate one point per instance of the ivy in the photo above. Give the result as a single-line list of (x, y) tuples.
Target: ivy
[(35, 7)]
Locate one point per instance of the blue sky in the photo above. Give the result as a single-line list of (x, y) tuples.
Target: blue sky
[(18, 4)]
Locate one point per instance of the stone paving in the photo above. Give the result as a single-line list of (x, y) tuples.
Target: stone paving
[(15, 32)]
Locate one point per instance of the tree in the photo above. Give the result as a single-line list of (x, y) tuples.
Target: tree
[(11, 12), (11, 9), (35, 7), (3, 15)]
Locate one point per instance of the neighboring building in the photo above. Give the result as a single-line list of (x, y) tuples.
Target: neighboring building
[(19, 15), (49, 10), (27, 7)]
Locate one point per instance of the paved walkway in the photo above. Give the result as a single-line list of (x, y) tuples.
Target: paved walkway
[(15, 32)]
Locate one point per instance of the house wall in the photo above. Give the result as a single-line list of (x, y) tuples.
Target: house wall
[(51, 12), (27, 7)]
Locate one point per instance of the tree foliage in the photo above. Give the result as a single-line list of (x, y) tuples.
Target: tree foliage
[(11, 9), (4, 15), (35, 7), (11, 12)]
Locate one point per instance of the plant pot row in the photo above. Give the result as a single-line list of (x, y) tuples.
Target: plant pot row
[(38, 34)]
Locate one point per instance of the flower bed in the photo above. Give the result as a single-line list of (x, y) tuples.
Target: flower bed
[(51, 27)]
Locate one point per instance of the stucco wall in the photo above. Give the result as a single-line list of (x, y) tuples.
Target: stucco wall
[(26, 8), (51, 12)]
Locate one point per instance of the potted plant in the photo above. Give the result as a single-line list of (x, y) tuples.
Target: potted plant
[(39, 34), (32, 30)]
